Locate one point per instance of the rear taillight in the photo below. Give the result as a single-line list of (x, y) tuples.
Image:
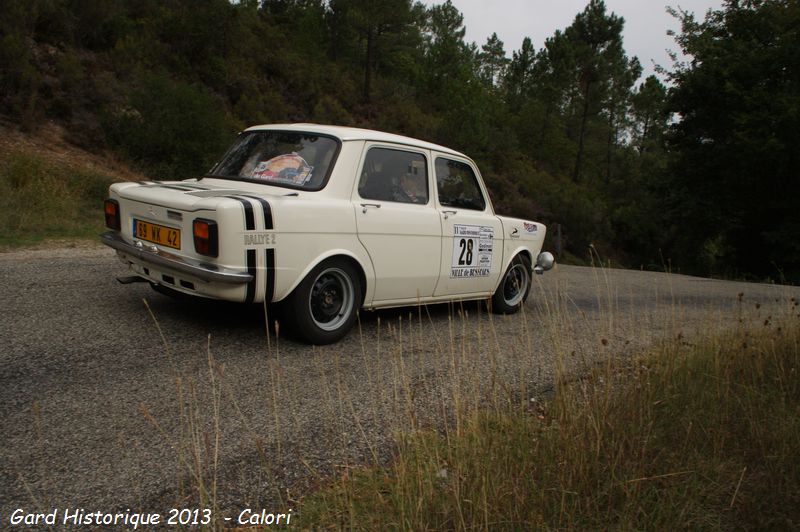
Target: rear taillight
[(111, 208), (206, 237)]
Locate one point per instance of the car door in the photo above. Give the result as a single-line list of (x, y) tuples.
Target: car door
[(471, 244), (398, 222)]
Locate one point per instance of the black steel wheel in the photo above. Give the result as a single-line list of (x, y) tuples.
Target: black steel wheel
[(324, 305), (514, 287)]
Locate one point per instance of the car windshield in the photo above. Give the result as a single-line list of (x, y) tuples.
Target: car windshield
[(281, 158)]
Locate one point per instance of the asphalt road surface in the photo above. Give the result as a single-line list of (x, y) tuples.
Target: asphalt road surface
[(115, 398)]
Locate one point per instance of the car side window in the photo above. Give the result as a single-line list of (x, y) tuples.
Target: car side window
[(394, 175), (458, 185)]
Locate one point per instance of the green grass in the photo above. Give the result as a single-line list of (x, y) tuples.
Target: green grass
[(40, 200), (702, 436)]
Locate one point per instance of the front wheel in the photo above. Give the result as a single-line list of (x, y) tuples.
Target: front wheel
[(514, 287), (323, 306)]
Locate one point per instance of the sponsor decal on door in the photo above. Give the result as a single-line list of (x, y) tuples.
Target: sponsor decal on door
[(472, 251)]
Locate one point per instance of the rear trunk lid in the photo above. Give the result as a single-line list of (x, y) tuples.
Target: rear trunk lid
[(163, 214)]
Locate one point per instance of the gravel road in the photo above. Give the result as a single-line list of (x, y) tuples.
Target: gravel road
[(109, 403)]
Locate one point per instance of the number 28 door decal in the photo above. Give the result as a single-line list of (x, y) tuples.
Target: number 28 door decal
[(472, 251)]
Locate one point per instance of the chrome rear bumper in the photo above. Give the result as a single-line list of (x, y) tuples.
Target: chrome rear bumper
[(150, 254)]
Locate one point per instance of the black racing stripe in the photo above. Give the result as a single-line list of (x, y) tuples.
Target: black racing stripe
[(251, 269), (267, 211), (269, 292), (249, 218), (177, 187)]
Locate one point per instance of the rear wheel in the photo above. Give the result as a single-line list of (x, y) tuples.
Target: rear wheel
[(514, 287), (323, 307)]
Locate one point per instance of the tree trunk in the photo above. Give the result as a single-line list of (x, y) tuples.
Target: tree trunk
[(645, 132), (368, 63), (611, 142), (576, 174)]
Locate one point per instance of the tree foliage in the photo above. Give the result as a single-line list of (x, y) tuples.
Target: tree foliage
[(734, 176), (700, 174)]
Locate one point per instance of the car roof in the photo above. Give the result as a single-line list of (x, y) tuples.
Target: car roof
[(345, 133)]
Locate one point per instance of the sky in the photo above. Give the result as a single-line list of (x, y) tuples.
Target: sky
[(645, 34)]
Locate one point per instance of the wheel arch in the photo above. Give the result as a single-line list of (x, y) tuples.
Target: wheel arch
[(363, 269), (509, 258), (527, 253), (509, 298)]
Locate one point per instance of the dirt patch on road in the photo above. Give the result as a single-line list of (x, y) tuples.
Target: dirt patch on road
[(54, 249)]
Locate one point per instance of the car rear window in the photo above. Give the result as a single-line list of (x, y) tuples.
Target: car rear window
[(281, 158)]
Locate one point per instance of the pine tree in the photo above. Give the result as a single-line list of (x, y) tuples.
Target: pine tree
[(492, 62)]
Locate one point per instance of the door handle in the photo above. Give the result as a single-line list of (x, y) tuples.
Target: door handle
[(365, 206), (447, 214)]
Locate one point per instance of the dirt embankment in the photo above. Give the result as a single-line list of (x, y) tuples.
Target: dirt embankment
[(50, 143)]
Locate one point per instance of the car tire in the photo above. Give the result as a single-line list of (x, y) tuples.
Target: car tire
[(324, 306), (514, 287)]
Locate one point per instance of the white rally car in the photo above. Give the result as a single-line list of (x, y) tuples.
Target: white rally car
[(327, 220)]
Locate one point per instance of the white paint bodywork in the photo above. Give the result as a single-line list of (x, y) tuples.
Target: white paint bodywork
[(404, 251)]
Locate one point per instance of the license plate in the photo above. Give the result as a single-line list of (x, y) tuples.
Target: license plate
[(158, 234)]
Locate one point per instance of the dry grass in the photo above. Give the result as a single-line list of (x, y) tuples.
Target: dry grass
[(51, 189), (693, 435), (40, 200)]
